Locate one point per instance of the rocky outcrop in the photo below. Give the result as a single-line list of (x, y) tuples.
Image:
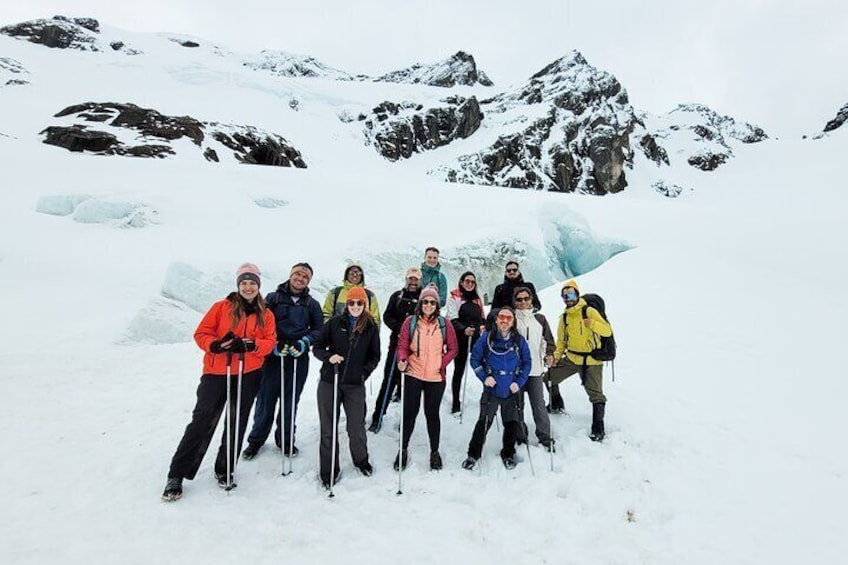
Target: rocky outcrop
[(458, 69), (12, 72), (667, 189), (58, 32), (696, 133), (841, 118), (156, 132), (397, 131), (571, 126), (285, 64)]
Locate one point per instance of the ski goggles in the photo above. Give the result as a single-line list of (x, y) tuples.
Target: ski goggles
[(569, 296)]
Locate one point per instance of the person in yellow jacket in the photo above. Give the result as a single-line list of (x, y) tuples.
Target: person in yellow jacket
[(578, 333), (336, 300)]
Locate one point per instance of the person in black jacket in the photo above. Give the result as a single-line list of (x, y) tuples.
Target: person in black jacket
[(350, 345), (299, 322), (465, 311), (512, 279), (401, 305)]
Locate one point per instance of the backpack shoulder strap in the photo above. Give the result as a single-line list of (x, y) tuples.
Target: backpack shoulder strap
[(585, 311), (444, 330), (413, 323), (336, 293)]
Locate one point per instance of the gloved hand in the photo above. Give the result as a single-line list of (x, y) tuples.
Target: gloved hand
[(240, 345), (281, 350), (299, 348), (223, 344)]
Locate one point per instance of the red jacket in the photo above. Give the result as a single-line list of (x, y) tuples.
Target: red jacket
[(215, 325)]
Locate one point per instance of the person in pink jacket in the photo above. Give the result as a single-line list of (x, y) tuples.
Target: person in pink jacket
[(426, 345)]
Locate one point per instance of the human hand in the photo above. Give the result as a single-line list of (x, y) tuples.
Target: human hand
[(587, 322), (469, 331), (513, 387), (402, 365), (335, 359), (490, 382)]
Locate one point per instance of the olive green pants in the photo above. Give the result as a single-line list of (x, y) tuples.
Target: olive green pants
[(593, 382)]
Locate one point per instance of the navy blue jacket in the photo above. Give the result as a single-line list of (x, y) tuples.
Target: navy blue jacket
[(295, 321), (499, 359)]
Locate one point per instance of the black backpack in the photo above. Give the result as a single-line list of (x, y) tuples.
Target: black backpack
[(606, 352)]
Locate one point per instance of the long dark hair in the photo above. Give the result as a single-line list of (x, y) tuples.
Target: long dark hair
[(363, 321), (461, 288), (238, 311)]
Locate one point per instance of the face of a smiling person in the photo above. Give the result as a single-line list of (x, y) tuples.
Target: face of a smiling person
[(429, 305), (431, 258), (469, 283), (248, 289), (355, 307), (504, 321), (511, 270), (354, 275), (523, 301)]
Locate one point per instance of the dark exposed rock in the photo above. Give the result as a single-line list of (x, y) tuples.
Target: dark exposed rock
[(56, 33), (189, 43), (667, 189), (458, 69), (652, 150), (11, 72), (581, 144), (90, 24), (210, 155), (397, 131), (117, 45), (707, 161), (79, 138), (841, 118), (249, 144)]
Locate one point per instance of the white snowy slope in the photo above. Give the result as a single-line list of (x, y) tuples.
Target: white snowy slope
[(724, 421)]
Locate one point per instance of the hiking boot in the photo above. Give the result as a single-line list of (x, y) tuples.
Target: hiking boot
[(173, 489), (396, 395), (374, 428), (250, 451), (435, 461), (366, 469), (508, 461), (222, 480), (598, 410), (548, 444), (397, 463), (469, 463), (294, 450)]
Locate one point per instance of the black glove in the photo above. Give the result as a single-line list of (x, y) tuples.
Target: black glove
[(217, 345), (242, 345)]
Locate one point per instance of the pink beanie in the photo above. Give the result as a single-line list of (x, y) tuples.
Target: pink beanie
[(431, 292)]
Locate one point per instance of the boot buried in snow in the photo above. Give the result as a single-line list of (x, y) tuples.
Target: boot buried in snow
[(598, 410)]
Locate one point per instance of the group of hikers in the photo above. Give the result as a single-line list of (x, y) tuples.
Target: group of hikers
[(257, 356)]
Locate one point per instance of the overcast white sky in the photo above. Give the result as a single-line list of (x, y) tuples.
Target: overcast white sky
[(782, 64)]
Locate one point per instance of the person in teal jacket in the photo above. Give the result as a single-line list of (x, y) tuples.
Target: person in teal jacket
[(431, 271)]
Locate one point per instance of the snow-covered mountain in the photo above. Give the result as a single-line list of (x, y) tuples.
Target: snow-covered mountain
[(459, 69), (719, 450)]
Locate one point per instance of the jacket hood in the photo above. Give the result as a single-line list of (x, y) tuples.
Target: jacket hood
[(570, 283), (347, 270)]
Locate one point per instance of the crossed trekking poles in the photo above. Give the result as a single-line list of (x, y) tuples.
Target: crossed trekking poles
[(231, 465)]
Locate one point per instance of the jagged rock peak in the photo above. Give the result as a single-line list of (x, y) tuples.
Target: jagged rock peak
[(58, 32), (726, 125), (841, 118), (458, 69), (570, 83), (286, 64)]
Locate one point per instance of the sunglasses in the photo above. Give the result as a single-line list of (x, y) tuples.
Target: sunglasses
[(354, 272), (356, 303), (472, 281), (523, 299), (428, 302), (512, 270), (505, 318)]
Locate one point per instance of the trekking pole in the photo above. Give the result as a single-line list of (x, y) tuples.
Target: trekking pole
[(385, 400), (282, 412), (238, 412), (400, 438), (335, 428), (295, 367), (229, 425), (526, 439), (465, 381), (553, 443)]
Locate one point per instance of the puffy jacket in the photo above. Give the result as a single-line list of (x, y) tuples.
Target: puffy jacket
[(464, 313), (495, 356), (535, 329), (426, 339), (361, 352), (336, 307), (503, 293), (295, 320), (435, 276), (401, 305), (215, 325), (573, 336)]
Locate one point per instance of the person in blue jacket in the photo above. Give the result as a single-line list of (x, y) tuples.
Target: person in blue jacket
[(299, 323), (501, 359)]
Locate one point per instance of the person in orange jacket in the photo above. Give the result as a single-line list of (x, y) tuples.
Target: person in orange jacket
[(238, 326)]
